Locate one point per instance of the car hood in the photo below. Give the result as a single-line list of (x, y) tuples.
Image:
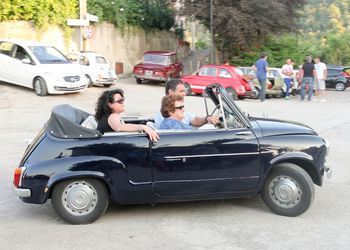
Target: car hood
[(150, 66), (272, 127), (69, 69)]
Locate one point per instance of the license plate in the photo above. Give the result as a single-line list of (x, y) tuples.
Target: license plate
[(148, 72)]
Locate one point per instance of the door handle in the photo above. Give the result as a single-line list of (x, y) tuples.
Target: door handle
[(244, 133)]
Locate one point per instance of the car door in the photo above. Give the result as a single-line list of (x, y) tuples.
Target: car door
[(226, 79), (331, 77), (26, 69), (205, 161)]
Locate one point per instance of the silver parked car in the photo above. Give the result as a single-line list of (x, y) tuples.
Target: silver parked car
[(40, 67)]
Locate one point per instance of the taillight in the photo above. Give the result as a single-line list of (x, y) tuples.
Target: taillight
[(346, 74), (17, 176), (159, 73), (138, 70)]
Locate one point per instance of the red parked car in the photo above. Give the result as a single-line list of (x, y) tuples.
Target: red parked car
[(158, 66), (225, 75)]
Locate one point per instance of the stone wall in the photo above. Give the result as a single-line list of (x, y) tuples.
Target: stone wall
[(127, 48)]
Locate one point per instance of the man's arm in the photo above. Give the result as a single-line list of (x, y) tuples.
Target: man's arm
[(200, 121), (325, 74)]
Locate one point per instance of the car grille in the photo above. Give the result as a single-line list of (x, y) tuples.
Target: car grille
[(71, 78), (69, 89)]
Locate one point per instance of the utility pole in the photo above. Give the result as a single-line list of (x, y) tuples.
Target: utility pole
[(83, 11), (211, 34)]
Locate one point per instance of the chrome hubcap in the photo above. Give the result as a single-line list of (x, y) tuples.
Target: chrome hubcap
[(79, 198), (285, 191)]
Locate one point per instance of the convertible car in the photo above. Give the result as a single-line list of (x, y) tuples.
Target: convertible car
[(80, 170)]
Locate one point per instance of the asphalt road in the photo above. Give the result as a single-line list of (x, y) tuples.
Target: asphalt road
[(222, 224)]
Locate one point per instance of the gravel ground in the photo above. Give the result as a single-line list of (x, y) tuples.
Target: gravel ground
[(225, 224)]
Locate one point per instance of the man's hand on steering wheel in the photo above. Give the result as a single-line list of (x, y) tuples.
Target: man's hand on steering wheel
[(212, 119)]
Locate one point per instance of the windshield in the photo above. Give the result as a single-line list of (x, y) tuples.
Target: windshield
[(156, 59), (101, 60), (48, 55), (239, 72)]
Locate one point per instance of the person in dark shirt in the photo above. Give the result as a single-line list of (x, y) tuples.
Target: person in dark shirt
[(307, 76), (108, 109)]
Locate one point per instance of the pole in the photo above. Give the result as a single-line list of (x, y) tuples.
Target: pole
[(211, 34), (83, 11)]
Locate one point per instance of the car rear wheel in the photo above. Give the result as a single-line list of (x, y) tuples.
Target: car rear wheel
[(40, 87), (188, 89), (107, 85), (138, 80), (241, 97), (232, 92), (288, 190), (80, 201), (340, 86), (256, 93)]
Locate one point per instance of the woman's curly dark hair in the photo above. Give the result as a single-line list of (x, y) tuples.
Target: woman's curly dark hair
[(102, 107)]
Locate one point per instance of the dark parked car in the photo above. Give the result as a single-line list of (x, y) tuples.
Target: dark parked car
[(158, 66), (81, 170), (337, 78)]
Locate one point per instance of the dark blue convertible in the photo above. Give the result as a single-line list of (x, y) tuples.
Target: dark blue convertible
[(81, 170)]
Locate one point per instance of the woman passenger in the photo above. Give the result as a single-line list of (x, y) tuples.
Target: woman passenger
[(109, 106), (173, 110)]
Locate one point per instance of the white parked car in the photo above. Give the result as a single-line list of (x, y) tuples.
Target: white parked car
[(95, 67), (40, 67)]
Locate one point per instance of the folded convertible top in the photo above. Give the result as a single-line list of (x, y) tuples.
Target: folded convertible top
[(65, 123)]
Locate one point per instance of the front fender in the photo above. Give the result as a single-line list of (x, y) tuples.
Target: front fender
[(41, 177), (303, 160)]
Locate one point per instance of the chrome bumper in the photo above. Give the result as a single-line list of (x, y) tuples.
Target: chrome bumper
[(22, 192), (155, 78)]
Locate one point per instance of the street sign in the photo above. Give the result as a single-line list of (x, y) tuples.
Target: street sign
[(91, 18), (77, 22), (88, 32)]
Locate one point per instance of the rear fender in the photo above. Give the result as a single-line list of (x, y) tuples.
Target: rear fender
[(42, 177)]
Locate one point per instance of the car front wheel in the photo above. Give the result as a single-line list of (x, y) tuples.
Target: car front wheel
[(340, 86), (288, 190), (80, 201), (138, 80), (40, 87)]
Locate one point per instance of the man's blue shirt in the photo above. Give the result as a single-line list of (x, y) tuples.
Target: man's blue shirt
[(261, 65)]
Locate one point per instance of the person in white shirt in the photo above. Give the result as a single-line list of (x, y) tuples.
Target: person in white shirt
[(321, 70), (287, 73)]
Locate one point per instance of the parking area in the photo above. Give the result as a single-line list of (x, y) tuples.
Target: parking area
[(219, 224)]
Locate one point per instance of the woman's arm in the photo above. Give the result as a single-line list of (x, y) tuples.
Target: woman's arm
[(114, 122)]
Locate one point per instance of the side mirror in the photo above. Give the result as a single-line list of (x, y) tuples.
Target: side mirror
[(26, 61)]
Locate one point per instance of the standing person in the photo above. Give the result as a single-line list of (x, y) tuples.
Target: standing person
[(177, 87), (261, 66), (307, 75), (287, 73), (320, 84)]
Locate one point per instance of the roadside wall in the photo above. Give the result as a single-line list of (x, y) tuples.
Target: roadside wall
[(127, 48)]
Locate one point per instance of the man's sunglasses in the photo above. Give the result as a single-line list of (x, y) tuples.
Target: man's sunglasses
[(120, 100), (180, 107)]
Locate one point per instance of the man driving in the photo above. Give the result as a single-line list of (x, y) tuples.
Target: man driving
[(177, 87)]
